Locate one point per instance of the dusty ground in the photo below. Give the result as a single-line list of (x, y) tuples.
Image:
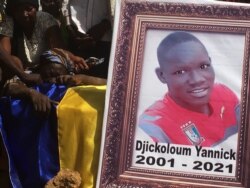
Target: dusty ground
[(65, 179)]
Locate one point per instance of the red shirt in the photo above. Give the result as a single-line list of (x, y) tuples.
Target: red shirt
[(165, 121)]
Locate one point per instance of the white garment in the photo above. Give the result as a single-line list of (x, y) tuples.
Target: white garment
[(37, 44), (65, 7), (29, 50)]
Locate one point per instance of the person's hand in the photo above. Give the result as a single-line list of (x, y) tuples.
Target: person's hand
[(31, 79), (80, 79), (79, 63), (51, 80), (41, 103), (69, 80)]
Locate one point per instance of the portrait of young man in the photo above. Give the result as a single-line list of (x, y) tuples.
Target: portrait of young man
[(197, 101)]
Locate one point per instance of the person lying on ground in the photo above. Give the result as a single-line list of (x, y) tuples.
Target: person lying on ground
[(53, 69)]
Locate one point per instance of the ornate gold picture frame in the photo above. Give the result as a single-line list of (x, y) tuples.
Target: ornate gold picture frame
[(132, 158)]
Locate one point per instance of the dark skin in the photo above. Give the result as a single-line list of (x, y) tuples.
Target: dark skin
[(80, 79), (81, 41), (189, 75), (57, 73), (25, 16), (12, 65), (51, 73), (41, 103)]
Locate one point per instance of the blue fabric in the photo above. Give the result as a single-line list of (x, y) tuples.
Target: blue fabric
[(30, 139)]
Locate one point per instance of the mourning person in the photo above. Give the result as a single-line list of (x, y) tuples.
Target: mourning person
[(26, 36), (9, 64), (35, 32), (53, 69), (23, 124), (195, 110), (8, 68)]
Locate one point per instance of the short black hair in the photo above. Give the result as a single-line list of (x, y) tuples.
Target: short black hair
[(172, 40)]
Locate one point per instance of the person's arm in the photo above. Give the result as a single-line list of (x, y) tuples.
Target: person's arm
[(79, 62), (5, 43), (56, 44), (6, 60), (10, 62), (41, 103), (80, 79)]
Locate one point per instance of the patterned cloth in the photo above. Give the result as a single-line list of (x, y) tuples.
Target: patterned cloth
[(165, 121), (50, 56)]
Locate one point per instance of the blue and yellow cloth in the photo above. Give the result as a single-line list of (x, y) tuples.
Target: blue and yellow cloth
[(69, 137), (80, 117)]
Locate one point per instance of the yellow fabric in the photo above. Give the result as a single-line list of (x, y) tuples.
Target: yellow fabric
[(80, 116)]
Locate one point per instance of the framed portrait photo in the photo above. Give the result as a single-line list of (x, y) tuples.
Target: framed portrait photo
[(177, 104)]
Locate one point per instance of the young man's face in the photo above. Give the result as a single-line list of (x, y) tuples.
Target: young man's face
[(189, 75), (50, 71)]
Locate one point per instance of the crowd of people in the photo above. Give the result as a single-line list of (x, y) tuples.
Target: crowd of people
[(27, 32), (51, 41)]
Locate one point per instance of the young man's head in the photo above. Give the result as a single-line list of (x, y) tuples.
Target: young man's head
[(186, 68), (53, 65)]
